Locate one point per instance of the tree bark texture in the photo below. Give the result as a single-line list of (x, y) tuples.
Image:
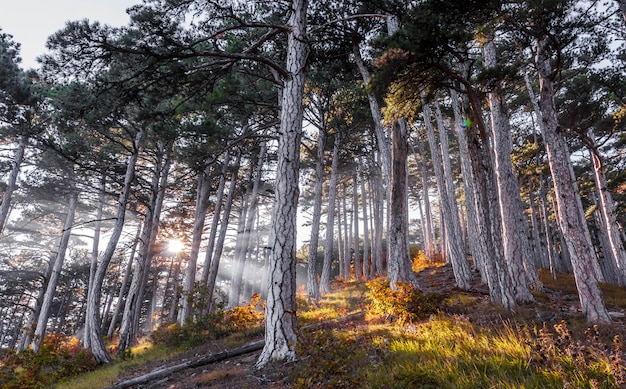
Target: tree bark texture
[(219, 245), (215, 222), (250, 213), (366, 232), (429, 236), (399, 267), (280, 311), (574, 229), (129, 328), (607, 210), (355, 212), (202, 203), (330, 219), (477, 230), (514, 226), (95, 290), (452, 225), (312, 286), (42, 321)]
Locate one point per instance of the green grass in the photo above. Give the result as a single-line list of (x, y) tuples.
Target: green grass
[(346, 297), (107, 374), (450, 352), (453, 348)]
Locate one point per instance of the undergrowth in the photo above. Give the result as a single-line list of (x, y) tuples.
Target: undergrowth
[(406, 339), (59, 356), (246, 320), (410, 340), (404, 304)]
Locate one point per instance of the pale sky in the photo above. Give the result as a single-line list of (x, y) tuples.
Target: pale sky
[(32, 21)]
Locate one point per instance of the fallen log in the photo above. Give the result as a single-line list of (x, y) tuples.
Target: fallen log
[(217, 357), (212, 358)]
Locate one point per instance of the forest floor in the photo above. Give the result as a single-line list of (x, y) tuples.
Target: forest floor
[(555, 303)]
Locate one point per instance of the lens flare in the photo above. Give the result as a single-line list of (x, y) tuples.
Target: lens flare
[(175, 245)]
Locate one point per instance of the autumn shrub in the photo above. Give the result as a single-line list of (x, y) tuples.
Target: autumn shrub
[(59, 357), (405, 304), (247, 319), (420, 262)]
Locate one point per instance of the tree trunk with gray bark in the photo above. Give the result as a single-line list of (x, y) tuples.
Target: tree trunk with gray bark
[(95, 289), (42, 321), (399, 267), (450, 214), (280, 311), (330, 219), (312, 284), (573, 225), (514, 226)]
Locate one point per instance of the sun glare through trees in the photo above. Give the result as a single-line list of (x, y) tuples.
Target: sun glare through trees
[(152, 174)]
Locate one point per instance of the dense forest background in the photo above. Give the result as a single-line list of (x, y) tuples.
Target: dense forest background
[(211, 150)]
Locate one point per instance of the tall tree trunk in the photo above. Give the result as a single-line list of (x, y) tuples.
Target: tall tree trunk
[(280, 312), (366, 232), (330, 219), (495, 272), (215, 222), (219, 245), (399, 267), (42, 321), (95, 291), (452, 225), (347, 254), (202, 203), (5, 206), (95, 247), (250, 213), (124, 285), (573, 226), (312, 286), (381, 137), (607, 210), (340, 245), (482, 165), (542, 192), (514, 235), (129, 327), (429, 236), (378, 219), (463, 266), (177, 262), (355, 211), (384, 154)]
